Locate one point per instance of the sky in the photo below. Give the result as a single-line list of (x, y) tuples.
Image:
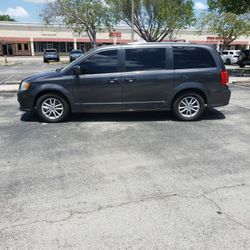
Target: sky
[(29, 10)]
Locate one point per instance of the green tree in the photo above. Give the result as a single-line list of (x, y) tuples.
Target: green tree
[(6, 18), (88, 16), (227, 26), (234, 6), (154, 19)]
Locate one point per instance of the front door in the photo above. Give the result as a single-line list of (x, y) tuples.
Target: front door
[(148, 77), (98, 87)]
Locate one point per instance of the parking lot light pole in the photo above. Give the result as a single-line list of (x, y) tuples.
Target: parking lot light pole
[(132, 20)]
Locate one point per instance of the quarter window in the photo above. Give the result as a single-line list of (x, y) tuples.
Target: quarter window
[(192, 57), (102, 62), (145, 59)]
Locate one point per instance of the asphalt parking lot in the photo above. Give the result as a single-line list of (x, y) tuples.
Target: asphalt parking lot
[(126, 181), (20, 68)]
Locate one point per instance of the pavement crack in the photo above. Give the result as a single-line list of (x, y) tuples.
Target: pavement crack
[(159, 196)]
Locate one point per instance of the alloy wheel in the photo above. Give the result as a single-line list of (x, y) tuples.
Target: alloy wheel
[(52, 108), (189, 107)]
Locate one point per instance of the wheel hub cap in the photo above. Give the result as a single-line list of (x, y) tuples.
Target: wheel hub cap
[(52, 108), (189, 106)]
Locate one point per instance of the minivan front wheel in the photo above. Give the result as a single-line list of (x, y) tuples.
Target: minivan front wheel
[(188, 106), (52, 108)]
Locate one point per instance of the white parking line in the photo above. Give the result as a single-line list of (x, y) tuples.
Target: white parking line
[(4, 80)]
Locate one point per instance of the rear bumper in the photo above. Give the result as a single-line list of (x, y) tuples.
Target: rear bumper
[(246, 62), (220, 98), (51, 58), (25, 101)]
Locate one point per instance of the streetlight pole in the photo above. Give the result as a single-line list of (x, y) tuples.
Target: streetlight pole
[(132, 20)]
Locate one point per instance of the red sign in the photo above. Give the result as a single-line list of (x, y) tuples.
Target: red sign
[(214, 38), (115, 34)]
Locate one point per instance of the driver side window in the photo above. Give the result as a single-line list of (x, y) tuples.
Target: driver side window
[(100, 63)]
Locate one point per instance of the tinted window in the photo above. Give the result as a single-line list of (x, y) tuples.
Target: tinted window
[(145, 59), (224, 53), (50, 51), (76, 52), (192, 57), (102, 62), (231, 53)]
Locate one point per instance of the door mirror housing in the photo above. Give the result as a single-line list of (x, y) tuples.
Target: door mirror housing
[(76, 70)]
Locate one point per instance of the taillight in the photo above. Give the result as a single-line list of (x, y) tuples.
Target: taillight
[(224, 77)]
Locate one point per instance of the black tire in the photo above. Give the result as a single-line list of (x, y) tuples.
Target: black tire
[(242, 65), (42, 107), (242, 56), (199, 106), (228, 61), (45, 61)]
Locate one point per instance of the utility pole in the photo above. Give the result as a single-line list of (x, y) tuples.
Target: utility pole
[(132, 20)]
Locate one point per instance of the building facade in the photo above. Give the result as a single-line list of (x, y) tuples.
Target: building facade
[(30, 39)]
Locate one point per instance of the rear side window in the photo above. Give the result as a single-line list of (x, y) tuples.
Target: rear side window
[(102, 62), (225, 53), (192, 57), (142, 59)]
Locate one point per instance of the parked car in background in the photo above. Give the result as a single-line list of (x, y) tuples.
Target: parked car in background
[(50, 55), (74, 54), (244, 58), (230, 56), (184, 78)]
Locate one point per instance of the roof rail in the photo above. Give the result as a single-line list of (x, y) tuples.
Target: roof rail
[(147, 43)]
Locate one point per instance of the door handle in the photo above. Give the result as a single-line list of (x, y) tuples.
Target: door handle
[(113, 80), (130, 79)]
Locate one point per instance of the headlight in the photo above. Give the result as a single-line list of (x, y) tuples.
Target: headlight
[(24, 86)]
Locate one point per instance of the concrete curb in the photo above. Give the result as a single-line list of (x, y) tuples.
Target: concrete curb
[(244, 84), (14, 82), (9, 88)]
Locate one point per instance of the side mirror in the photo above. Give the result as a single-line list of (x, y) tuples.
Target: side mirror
[(76, 70)]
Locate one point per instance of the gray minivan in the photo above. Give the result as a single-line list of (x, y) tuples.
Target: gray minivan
[(184, 78)]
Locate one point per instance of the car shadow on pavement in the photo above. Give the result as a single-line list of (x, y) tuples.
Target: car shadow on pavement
[(211, 114)]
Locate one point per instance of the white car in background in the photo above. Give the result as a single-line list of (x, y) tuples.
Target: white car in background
[(230, 56)]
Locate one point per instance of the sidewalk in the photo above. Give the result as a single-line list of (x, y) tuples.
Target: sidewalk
[(18, 59)]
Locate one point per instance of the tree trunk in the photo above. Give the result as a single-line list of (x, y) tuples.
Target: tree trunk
[(94, 40)]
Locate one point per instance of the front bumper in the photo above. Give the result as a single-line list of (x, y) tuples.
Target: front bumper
[(220, 97), (26, 101)]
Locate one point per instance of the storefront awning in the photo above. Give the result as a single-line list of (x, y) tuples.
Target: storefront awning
[(218, 42), (14, 39), (51, 39)]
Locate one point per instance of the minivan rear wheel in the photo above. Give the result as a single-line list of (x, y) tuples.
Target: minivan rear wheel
[(52, 108), (188, 106)]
